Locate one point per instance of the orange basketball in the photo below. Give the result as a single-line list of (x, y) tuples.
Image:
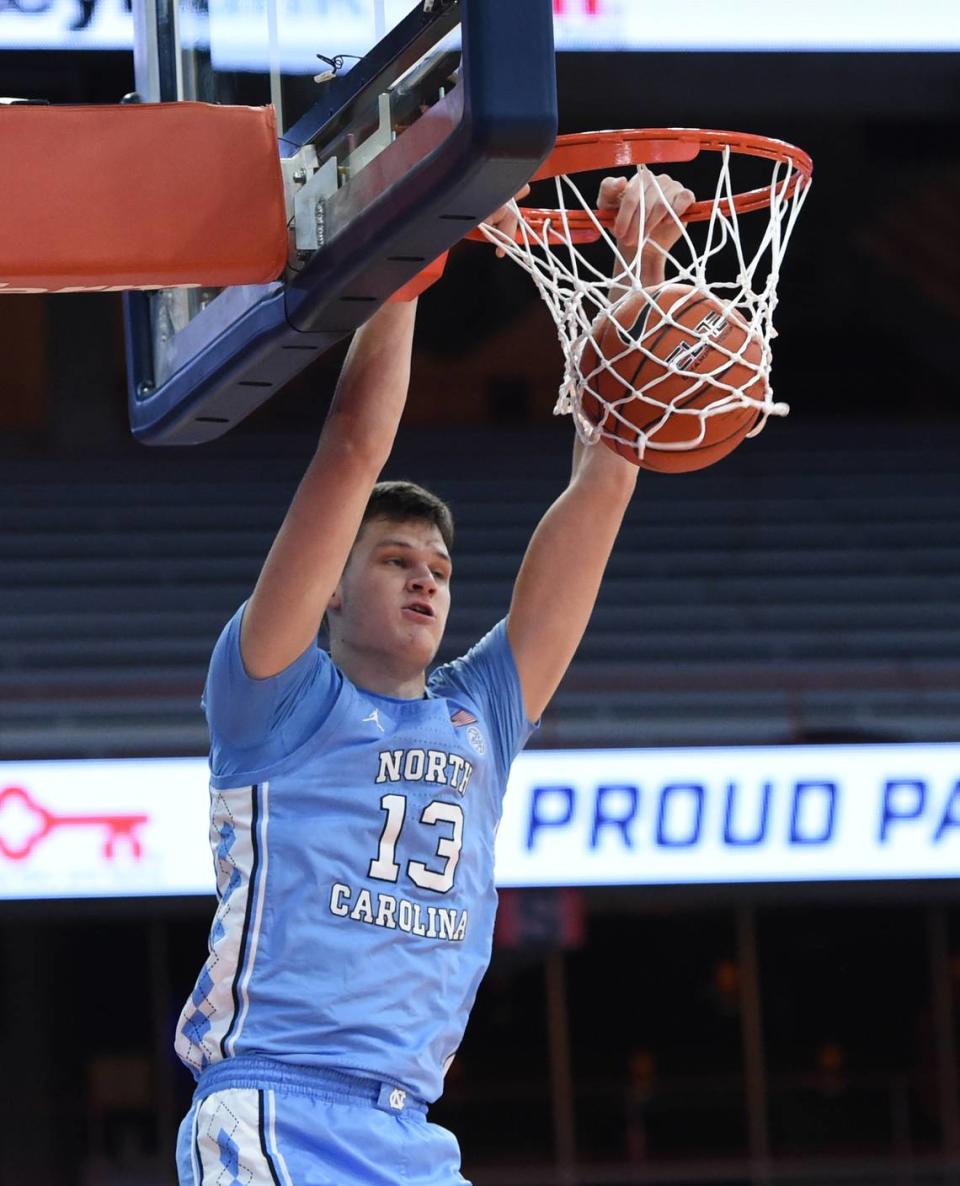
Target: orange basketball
[(697, 334)]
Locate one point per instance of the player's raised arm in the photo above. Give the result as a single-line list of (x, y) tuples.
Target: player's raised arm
[(564, 564), (311, 548)]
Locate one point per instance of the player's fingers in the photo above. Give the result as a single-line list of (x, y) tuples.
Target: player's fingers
[(508, 227), (611, 191), (675, 193), (502, 217), (668, 204), (507, 219), (626, 227), (658, 197), (507, 213), (645, 205), (683, 201), (675, 201), (508, 222), (656, 200), (670, 228)]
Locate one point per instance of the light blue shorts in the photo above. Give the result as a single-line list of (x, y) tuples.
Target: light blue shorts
[(258, 1122)]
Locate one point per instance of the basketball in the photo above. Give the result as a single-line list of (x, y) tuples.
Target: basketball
[(683, 350)]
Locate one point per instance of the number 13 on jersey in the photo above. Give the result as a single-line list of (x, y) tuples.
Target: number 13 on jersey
[(384, 866)]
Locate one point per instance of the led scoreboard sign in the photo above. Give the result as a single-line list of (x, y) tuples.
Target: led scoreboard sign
[(570, 817)]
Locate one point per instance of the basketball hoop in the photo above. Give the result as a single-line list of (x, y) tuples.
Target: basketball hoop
[(735, 265)]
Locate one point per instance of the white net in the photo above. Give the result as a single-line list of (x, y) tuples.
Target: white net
[(627, 377)]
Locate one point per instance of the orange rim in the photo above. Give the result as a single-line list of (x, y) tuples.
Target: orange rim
[(583, 152)]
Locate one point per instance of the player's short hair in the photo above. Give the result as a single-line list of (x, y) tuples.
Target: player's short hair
[(407, 500)]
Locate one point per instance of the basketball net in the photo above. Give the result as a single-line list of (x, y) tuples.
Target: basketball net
[(583, 298)]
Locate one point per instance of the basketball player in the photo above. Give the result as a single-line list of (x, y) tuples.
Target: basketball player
[(355, 800)]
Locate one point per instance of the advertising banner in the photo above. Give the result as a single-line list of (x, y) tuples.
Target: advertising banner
[(571, 818), (751, 814)]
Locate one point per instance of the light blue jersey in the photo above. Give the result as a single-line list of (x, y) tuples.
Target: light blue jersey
[(353, 840)]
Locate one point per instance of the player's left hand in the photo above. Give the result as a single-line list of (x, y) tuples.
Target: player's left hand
[(662, 200), (506, 219)]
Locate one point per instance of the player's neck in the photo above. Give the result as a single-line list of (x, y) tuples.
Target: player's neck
[(376, 673)]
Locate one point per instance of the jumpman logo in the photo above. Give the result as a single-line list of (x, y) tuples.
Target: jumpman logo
[(373, 718)]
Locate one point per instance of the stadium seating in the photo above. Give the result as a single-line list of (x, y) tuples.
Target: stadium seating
[(799, 591)]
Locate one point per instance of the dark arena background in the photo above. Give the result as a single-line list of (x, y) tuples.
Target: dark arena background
[(772, 1027)]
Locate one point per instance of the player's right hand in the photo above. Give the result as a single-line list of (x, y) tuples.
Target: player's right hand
[(662, 199)]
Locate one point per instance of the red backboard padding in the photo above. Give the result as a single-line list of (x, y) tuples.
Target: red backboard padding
[(151, 195)]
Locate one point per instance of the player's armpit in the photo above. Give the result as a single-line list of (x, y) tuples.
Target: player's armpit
[(560, 577)]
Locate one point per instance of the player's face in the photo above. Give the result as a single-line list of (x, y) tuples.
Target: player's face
[(394, 595)]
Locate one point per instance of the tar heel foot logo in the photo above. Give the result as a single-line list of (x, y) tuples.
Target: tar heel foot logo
[(373, 719), (475, 737)]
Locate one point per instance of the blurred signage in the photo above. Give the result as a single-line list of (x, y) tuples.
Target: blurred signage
[(571, 817), (238, 34), (104, 829), (685, 816)]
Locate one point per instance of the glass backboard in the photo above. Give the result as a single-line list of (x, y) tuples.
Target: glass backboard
[(403, 126)]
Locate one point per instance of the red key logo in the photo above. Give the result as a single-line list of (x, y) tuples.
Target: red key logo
[(24, 823)]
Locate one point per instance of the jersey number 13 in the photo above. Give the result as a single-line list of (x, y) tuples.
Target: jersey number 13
[(385, 868)]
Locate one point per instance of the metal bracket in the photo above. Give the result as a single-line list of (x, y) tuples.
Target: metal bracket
[(308, 206), (374, 143), (308, 184), (297, 170)]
